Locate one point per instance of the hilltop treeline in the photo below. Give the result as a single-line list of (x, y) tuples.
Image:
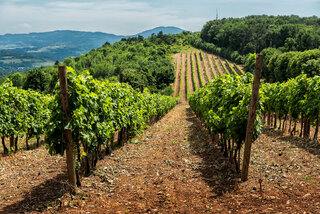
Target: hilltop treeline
[(255, 33), (238, 39)]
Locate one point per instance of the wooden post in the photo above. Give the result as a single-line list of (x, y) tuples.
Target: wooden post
[(67, 132), (251, 117)]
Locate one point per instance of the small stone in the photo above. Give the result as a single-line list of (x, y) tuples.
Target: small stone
[(306, 195)]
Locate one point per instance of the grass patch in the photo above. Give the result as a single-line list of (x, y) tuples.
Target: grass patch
[(309, 179)]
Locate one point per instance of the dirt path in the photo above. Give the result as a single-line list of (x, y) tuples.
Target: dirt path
[(234, 68), (196, 73), (207, 66), (177, 59), (183, 80), (239, 66), (168, 169), (29, 180), (210, 56), (203, 74), (225, 65), (219, 64), (189, 73), (173, 167)]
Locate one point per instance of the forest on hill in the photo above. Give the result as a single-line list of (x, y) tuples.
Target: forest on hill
[(252, 34), (146, 62), (142, 62), (290, 43)]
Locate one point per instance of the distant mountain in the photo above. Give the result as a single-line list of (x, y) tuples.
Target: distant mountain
[(165, 30), (53, 38), (57, 44), (60, 44), (36, 49)]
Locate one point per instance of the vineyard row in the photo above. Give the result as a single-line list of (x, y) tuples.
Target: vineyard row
[(98, 111), (223, 105), (198, 68)]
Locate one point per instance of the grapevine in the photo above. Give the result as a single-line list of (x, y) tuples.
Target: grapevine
[(230, 68), (98, 110), (199, 72), (224, 68), (193, 73)]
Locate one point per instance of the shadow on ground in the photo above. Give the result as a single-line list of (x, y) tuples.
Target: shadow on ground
[(22, 147), (313, 147), (38, 198), (214, 169), (272, 132)]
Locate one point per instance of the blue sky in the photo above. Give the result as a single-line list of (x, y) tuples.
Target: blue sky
[(132, 16)]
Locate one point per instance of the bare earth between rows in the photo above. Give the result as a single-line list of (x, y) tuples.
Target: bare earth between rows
[(173, 167)]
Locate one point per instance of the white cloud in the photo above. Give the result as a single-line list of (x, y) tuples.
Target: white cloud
[(25, 25), (132, 16), (120, 17)]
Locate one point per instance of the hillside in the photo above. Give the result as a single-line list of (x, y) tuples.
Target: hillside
[(196, 68), (165, 30), (11, 62), (57, 45)]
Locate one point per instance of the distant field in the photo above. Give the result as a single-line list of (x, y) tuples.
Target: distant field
[(11, 62)]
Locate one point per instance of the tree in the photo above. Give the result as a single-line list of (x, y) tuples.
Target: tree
[(311, 67), (37, 80), (16, 79)]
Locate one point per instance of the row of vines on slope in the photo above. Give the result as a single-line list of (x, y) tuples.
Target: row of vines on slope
[(210, 66), (186, 76), (216, 66), (22, 112), (229, 67), (99, 110), (223, 105), (180, 77), (294, 100), (223, 67), (195, 86), (204, 67), (196, 69), (202, 83)]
